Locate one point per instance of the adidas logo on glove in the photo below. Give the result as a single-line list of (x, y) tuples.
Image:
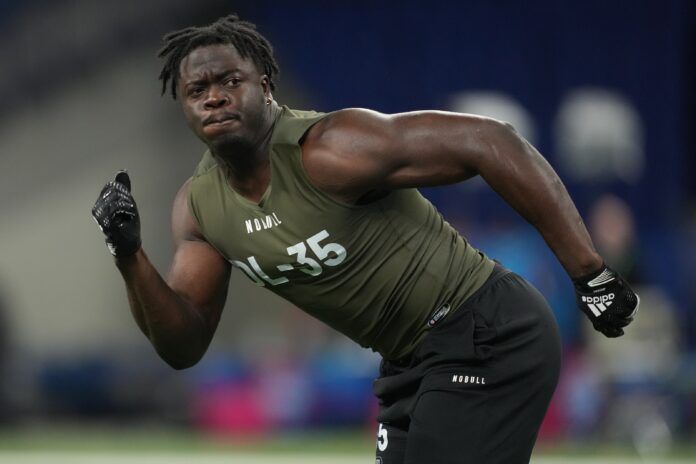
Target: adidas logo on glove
[(597, 291), (598, 304)]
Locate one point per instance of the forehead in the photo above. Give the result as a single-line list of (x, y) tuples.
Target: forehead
[(213, 59)]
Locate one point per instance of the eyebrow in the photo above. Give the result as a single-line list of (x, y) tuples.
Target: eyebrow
[(216, 76)]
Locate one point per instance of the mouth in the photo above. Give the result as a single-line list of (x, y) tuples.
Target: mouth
[(219, 119)]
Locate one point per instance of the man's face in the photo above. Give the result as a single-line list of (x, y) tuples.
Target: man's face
[(223, 96)]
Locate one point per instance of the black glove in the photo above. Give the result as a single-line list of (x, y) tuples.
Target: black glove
[(117, 216), (607, 300)]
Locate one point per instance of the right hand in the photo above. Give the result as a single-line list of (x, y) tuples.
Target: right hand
[(607, 300), (117, 216)]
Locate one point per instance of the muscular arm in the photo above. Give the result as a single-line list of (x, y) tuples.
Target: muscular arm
[(353, 152), (179, 315)]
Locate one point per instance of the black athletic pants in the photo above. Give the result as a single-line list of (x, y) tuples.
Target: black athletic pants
[(476, 390)]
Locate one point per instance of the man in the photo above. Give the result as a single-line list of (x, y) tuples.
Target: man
[(322, 210)]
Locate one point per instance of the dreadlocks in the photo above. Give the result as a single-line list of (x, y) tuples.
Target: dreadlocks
[(226, 30)]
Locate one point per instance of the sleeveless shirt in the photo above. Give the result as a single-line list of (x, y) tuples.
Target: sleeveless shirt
[(374, 272)]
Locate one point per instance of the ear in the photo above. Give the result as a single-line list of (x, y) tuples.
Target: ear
[(266, 85)]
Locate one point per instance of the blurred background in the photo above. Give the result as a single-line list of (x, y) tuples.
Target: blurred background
[(606, 90)]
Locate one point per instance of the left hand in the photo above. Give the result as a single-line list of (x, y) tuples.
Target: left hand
[(607, 300)]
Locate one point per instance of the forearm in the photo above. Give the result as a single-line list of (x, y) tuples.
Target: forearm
[(523, 178), (175, 329)]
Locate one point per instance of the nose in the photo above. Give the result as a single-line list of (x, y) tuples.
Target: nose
[(216, 98)]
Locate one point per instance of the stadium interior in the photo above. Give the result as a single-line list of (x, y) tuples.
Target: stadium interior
[(605, 90)]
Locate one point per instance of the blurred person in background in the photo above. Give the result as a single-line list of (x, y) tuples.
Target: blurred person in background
[(634, 376), (323, 210), (613, 229)]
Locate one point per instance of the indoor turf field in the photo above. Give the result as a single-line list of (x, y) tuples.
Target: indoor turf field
[(75, 445)]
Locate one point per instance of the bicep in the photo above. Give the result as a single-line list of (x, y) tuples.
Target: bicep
[(367, 149), (198, 274), (430, 148)]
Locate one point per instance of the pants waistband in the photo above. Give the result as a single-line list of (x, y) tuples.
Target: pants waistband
[(498, 273)]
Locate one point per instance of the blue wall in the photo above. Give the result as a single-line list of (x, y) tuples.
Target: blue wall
[(401, 56)]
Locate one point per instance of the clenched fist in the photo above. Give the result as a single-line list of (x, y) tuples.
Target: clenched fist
[(607, 300), (117, 216)]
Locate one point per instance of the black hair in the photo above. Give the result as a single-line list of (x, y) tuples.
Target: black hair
[(226, 30)]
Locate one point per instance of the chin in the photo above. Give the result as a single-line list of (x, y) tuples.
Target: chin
[(229, 141)]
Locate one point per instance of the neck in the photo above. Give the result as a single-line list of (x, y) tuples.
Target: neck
[(246, 162)]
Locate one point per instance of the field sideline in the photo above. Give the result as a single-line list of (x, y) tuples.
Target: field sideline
[(77, 444)]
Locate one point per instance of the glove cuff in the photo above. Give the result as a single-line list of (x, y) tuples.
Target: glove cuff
[(123, 249), (603, 275)]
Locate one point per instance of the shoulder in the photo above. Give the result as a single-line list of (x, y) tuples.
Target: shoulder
[(347, 136), (347, 124), (343, 153)]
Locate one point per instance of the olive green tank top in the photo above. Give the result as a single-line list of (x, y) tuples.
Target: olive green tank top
[(375, 272)]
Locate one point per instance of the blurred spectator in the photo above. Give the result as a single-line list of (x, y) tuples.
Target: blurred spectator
[(638, 369), (599, 136), (648, 352), (612, 227)]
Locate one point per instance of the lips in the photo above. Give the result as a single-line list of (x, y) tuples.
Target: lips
[(219, 118)]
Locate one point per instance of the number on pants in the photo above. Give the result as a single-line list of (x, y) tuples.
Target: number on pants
[(382, 439)]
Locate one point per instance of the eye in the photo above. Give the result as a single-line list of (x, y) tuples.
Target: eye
[(195, 92), (232, 82)]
